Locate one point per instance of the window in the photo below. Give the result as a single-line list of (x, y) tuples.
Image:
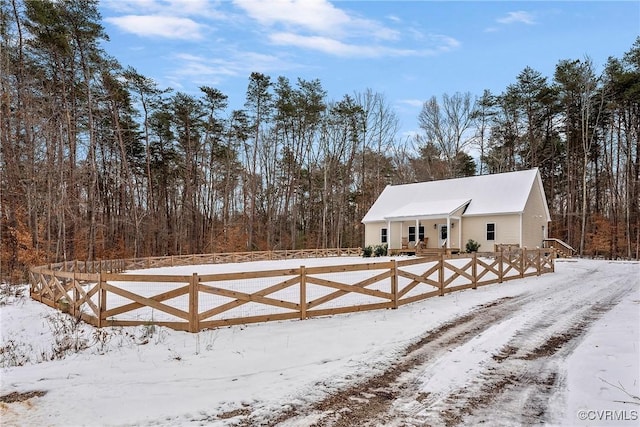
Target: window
[(412, 233), (491, 231), (383, 235)]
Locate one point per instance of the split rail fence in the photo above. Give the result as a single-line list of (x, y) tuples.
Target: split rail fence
[(103, 294)]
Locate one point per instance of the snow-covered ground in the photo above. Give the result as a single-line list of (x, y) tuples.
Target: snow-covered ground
[(560, 349)]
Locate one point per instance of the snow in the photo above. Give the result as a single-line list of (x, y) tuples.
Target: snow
[(156, 376), (181, 275), (427, 209), (605, 367)]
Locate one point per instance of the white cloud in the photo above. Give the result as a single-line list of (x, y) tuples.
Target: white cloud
[(518, 17), (159, 26), (196, 8), (319, 43), (336, 47), (318, 25), (418, 103), (444, 43), (191, 65), (394, 18), (315, 16), (332, 46), (208, 70)]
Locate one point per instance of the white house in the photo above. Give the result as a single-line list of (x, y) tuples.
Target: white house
[(506, 208)]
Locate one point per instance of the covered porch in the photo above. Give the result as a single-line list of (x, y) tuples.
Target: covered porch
[(423, 228)]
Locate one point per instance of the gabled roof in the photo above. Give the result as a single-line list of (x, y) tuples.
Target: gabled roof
[(504, 193)]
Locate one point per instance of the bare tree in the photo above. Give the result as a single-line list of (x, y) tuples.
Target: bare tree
[(446, 124)]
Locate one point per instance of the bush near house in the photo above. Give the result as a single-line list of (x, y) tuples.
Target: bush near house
[(378, 250), (472, 246)]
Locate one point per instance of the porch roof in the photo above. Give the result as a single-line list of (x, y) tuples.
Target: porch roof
[(428, 209)]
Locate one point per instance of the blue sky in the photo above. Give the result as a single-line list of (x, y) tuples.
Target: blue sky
[(407, 50)]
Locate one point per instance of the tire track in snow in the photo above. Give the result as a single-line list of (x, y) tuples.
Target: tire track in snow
[(517, 386), (517, 381), (518, 371), (363, 402)]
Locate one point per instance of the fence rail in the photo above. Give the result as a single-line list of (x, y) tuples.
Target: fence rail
[(103, 295), (119, 265)]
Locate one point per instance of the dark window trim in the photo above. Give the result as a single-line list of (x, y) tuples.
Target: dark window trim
[(491, 233), (413, 233)]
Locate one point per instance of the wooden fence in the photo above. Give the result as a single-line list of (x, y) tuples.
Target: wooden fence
[(110, 297), (120, 265)]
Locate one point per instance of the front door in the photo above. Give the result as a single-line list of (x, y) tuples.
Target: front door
[(442, 235)]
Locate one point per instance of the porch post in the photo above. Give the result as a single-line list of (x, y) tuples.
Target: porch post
[(417, 231), (447, 243)]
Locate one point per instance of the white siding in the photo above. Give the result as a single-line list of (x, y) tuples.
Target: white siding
[(475, 228), (372, 233), (401, 229), (534, 219)]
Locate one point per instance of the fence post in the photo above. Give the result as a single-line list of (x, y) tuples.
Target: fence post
[(194, 321), (523, 262), (501, 265), (102, 300), (441, 274), (474, 270), (539, 262), (303, 292), (394, 283), (75, 293)]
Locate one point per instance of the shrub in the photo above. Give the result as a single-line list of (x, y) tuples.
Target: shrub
[(367, 251), (69, 335), (11, 293), (380, 250), (14, 354), (472, 246)]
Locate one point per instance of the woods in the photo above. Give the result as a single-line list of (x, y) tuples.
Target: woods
[(98, 162)]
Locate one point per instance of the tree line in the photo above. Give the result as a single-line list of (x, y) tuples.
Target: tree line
[(100, 162)]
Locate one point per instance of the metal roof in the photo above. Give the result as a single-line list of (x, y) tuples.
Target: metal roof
[(504, 193)]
